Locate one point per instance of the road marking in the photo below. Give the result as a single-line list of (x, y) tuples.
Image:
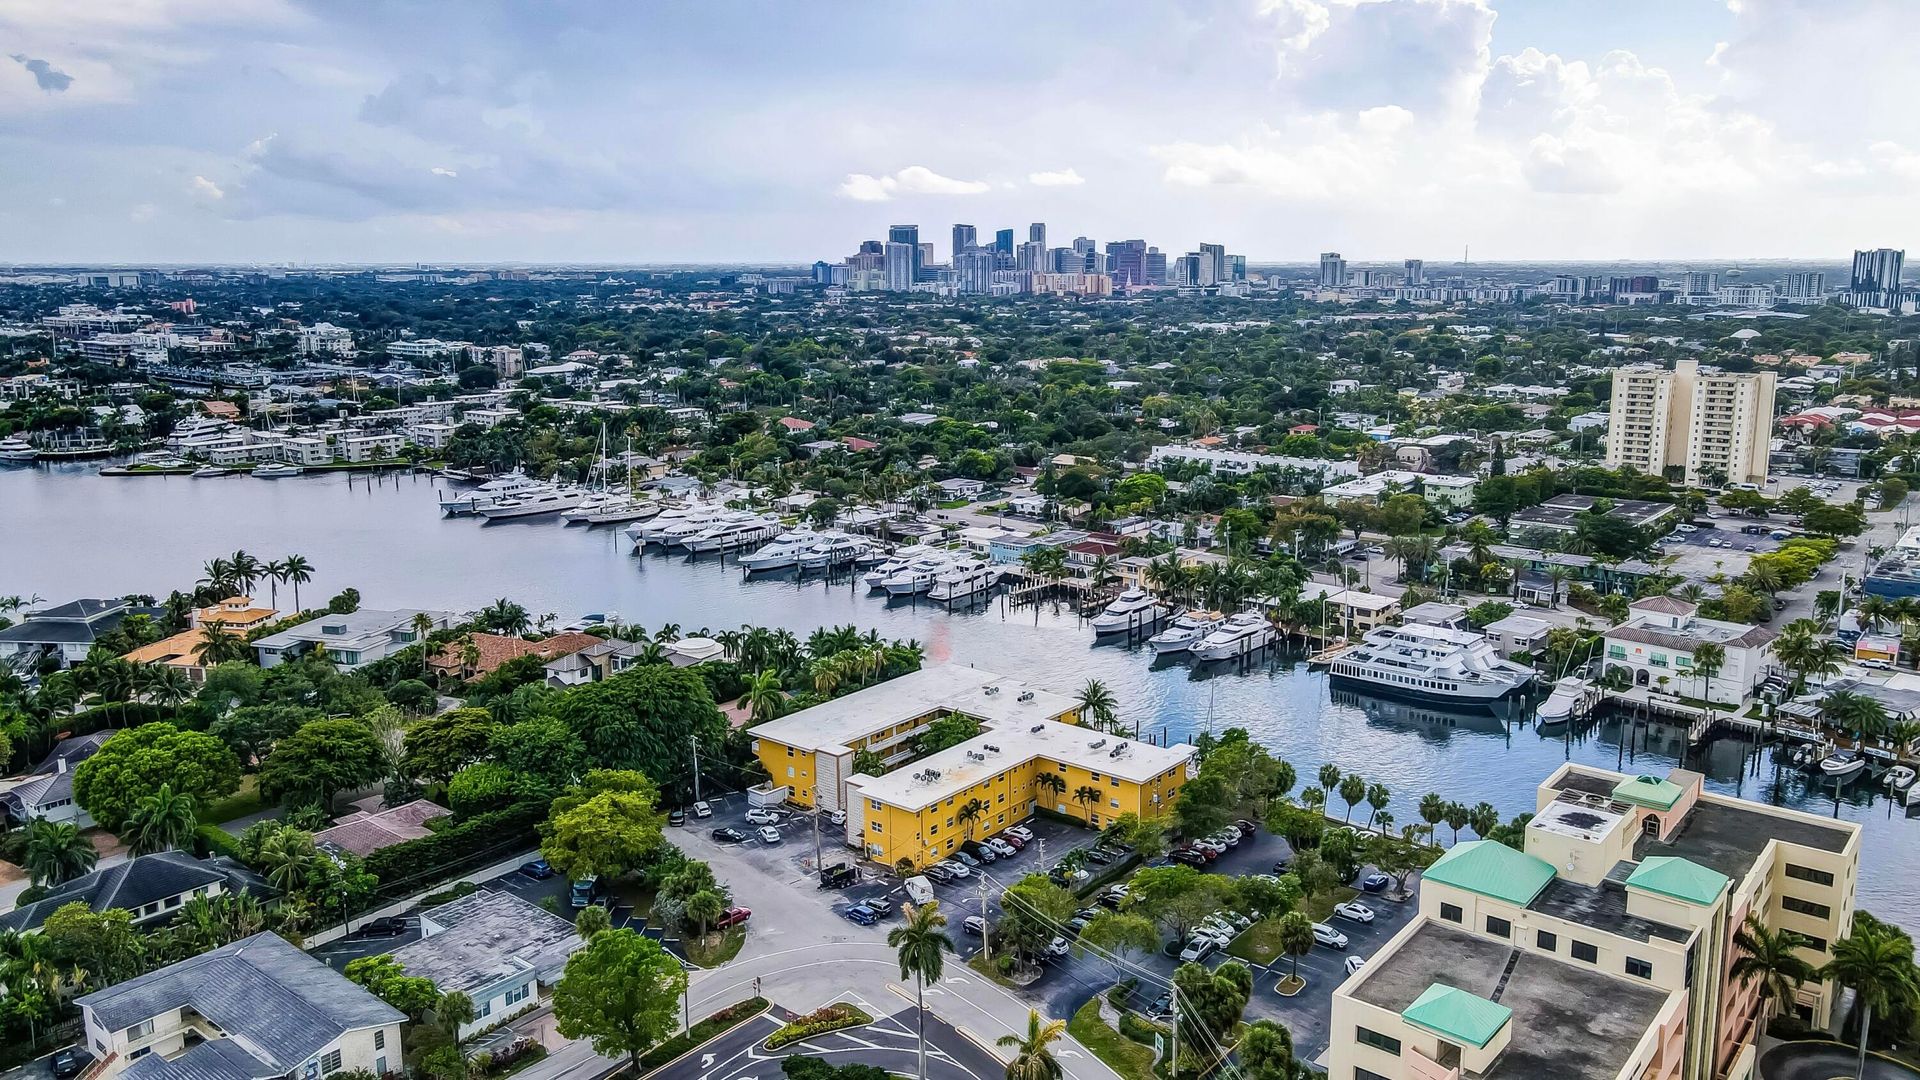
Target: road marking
[(706, 1061)]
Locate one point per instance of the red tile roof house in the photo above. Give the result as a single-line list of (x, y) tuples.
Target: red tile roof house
[(855, 444), (364, 833), (497, 649), (795, 424)]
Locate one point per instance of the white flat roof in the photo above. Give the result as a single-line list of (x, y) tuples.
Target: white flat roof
[(1362, 601), (956, 769), (951, 687)]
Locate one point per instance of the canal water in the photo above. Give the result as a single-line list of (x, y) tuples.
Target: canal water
[(66, 532)]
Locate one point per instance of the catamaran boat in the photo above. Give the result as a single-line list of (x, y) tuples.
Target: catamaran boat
[(1187, 630), (835, 549), (545, 500), (782, 551), (1134, 609), (727, 536), (1842, 763), (1239, 635), (212, 470), (512, 485), (12, 449), (1430, 662), (917, 576), (273, 470), (963, 581)]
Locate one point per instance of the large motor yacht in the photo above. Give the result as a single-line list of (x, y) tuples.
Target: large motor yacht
[(1240, 635), (1135, 609), (1430, 662), (1186, 631)]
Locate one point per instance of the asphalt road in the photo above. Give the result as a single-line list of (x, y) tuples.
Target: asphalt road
[(888, 1043)]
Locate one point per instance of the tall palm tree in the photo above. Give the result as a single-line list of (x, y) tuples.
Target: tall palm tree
[(422, 624), (1051, 782), (1708, 658), (298, 571), (276, 572), (57, 853), (969, 815), (1033, 1057), (1098, 704), (922, 946), (1100, 570), (1087, 796), (164, 683), (160, 821), (217, 646), (217, 577), (764, 697), (246, 570), (1329, 778), (1773, 958), (1878, 967)]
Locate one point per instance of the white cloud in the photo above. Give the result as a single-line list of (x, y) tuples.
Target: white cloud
[(912, 180), (441, 170), (1056, 178), (206, 188)]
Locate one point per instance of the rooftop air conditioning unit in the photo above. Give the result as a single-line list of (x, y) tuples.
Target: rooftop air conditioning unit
[(1096, 744), (1026, 695), (992, 690), (976, 755), (993, 748), (1037, 729), (1118, 750)]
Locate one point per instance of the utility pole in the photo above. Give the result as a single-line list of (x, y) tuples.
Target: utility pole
[(816, 839), (1173, 1062), (695, 739), (986, 924)]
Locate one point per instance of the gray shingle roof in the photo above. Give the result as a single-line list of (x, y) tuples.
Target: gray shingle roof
[(488, 936), (131, 884), (279, 1003), (221, 1059), (73, 750)]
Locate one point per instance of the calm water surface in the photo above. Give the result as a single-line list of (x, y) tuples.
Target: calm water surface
[(66, 532)]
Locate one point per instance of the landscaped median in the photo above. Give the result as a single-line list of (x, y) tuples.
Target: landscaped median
[(703, 1032), (1131, 1059), (818, 1022)]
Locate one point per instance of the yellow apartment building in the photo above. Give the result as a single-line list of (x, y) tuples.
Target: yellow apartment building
[(1604, 950)]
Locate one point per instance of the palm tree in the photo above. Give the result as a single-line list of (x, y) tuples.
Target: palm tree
[(288, 855), (1353, 789), (246, 570), (1878, 966), (1033, 1059), (1329, 779), (56, 852), (1433, 810), (217, 646), (1457, 818), (276, 572), (1862, 715), (1773, 958), (1708, 658), (968, 815), (160, 821), (1377, 798), (764, 697), (1088, 796), (1556, 576), (469, 655), (298, 571), (1097, 703), (1100, 570), (922, 947), (422, 624), (217, 577), (1051, 782)]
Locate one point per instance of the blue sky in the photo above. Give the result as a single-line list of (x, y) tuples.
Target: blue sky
[(286, 131)]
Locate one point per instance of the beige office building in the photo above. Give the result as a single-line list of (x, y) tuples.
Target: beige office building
[(1699, 423)]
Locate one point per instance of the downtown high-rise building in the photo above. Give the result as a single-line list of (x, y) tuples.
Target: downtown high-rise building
[(1156, 265), (1031, 258), (1127, 261), (1876, 278), (1708, 426), (900, 265), (1213, 264), (1003, 241), (1333, 270), (1805, 285), (1700, 283), (973, 269), (910, 236), (1037, 233), (1415, 271), (964, 237)]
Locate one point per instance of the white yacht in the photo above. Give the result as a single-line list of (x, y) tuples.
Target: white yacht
[(543, 500), (901, 560), (648, 531), (1843, 763), (835, 549), (726, 536), (590, 506), (1570, 695), (512, 485), (12, 449), (1134, 609), (212, 470), (273, 470), (677, 534), (781, 552), (964, 581), (1430, 662), (1187, 630), (917, 576), (1240, 635), (625, 509)]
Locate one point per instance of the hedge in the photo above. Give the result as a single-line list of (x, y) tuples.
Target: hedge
[(218, 841), (819, 1022), (478, 838), (705, 1030)]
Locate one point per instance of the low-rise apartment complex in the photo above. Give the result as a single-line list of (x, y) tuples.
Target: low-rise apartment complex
[(1603, 951)]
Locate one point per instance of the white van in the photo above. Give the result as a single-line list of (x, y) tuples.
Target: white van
[(919, 890)]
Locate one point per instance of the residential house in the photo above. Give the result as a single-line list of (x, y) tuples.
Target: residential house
[(1562, 514), (1517, 634), (1435, 613), (1357, 612), (496, 649), (605, 657), (235, 615), (961, 487), (352, 640), (1655, 648), (65, 632), (494, 947), (254, 1009), (150, 888), (364, 832), (46, 792)]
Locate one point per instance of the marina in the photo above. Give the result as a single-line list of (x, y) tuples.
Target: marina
[(61, 537)]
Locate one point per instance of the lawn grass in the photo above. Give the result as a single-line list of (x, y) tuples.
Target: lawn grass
[(712, 951), (954, 504), (1260, 943), (242, 802), (1121, 1054)]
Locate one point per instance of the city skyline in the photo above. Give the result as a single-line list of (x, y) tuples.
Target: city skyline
[(283, 132)]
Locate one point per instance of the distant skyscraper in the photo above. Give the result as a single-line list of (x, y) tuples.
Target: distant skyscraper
[(1032, 258), (1003, 241), (1213, 269), (910, 236), (1701, 283), (1083, 244), (964, 237), (974, 270), (1187, 269), (1416, 271), (1156, 266), (822, 273), (1127, 261), (1037, 233), (1236, 268), (1810, 285), (925, 260), (1333, 270), (1876, 278), (900, 265)]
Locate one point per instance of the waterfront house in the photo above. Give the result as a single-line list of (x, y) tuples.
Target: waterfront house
[(1355, 612), (496, 649), (149, 888), (494, 947), (256, 1008), (1517, 634), (234, 615), (65, 632), (1654, 647), (609, 656), (351, 640)]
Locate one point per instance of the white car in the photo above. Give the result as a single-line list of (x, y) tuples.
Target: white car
[(1218, 935), (769, 834), (1198, 949), (1233, 834), (760, 815), (1354, 910), (701, 809), (1006, 850), (1058, 946), (1328, 936), (1354, 963), (838, 817), (959, 870), (1025, 834)]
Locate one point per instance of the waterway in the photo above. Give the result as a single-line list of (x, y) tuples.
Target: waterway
[(66, 532)]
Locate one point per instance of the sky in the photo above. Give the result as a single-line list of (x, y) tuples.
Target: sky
[(294, 132)]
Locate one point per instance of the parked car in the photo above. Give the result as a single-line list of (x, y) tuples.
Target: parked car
[(70, 1061), (1328, 936), (1188, 856), (676, 817), (1012, 841), (1162, 1006), (727, 834), (838, 876), (1375, 882), (389, 926), (769, 835), (1237, 919), (1354, 963), (1198, 949), (1355, 911), (1099, 856), (760, 815), (862, 914), (583, 892), (1233, 834), (965, 860), (974, 925), (733, 917), (957, 869), (938, 873), (1059, 946), (1005, 850), (538, 869), (1281, 866), (702, 809), (1244, 826), (838, 817), (1025, 834), (979, 852)]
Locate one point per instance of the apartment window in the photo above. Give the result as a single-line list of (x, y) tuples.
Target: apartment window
[(874, 827), (1808, 873), (1617, 652), (1114, 803), (1546, 941), (484, 1010), (140, 1053), (519, 994), (140, 1030), (1817, 944), (1583, 951), (1806, 907), (1452, 913), (380, 1039), (330, 1062), (1499, 927), (1639, 968), (1370, 1037)]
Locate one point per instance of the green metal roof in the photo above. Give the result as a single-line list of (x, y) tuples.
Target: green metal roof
[(1681, 879), (1649, 792), (1452, 1013), (1493, 869)]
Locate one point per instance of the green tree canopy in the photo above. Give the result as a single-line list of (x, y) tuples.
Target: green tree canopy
[(134, 762), (646, 719), (321, 759), (622, 991)]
